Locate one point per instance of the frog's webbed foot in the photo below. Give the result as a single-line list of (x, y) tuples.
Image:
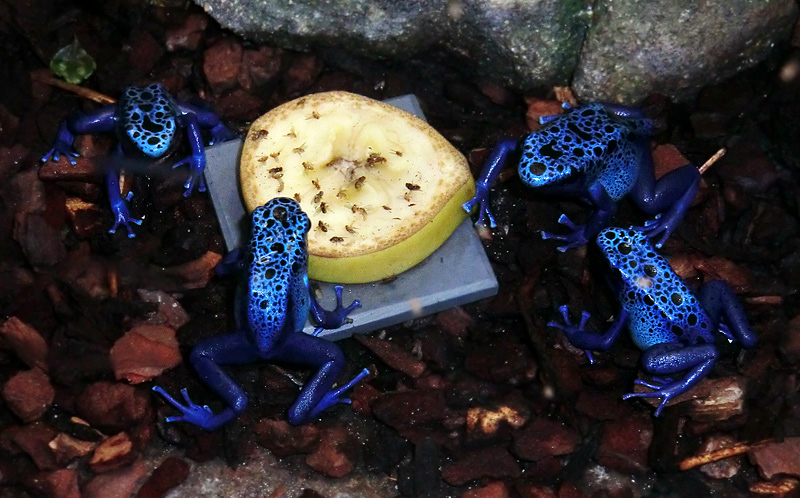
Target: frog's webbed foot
[(335, 318), (666, 391), (333, 397), (201, 416), (197, 163), (221, 133), (481, 199), (570, 330), (575, 238), (670, 358), (655, 383), (659, 225), (61, 148), (122, 217), (340, 307)]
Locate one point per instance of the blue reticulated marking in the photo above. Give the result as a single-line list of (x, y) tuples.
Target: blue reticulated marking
[(661, 307), (277, 270), (586, 139), (149, 118)]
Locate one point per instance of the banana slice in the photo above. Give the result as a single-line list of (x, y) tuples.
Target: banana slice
[(382, 188)]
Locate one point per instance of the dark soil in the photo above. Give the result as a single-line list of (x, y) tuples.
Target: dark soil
[(483, 400)]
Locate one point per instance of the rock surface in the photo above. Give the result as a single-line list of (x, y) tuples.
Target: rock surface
[(675, 47), (610, 50)]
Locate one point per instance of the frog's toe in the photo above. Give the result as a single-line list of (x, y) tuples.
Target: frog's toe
[(489, 216), (572, 240), (333, 397), (655, 385), (564, 220), (338, 289), (160, 390), (661, 405), (658, 392), (484, 214)]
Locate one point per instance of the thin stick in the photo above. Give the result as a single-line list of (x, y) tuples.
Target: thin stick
[(49, 79), (714, 456), (712, 160)]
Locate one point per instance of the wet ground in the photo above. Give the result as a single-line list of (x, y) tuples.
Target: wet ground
[(479, 401)]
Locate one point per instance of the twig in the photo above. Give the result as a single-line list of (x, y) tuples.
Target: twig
[(49, 79), (712, 160), (781, 487), (714, 456)]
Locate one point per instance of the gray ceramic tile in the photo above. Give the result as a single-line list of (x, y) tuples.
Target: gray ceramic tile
[(456, 273)]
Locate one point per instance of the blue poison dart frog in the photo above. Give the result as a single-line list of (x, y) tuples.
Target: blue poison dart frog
[(597, 153), (674, 329), (276, 307), (148, 124)]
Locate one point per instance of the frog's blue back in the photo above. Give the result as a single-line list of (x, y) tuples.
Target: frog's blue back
[(662, 308), (278, 270), (148, 119), (587, 139)]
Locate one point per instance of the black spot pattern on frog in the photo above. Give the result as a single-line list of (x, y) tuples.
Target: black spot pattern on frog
[(278, 265), (148, 118), (586, 139), (661, 306)]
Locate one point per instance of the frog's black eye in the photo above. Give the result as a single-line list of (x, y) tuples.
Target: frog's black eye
[(650, 270), (625, 248)]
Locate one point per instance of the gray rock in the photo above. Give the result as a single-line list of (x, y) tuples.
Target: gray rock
[(526, 44), (675, 46), (618, 50), (383, 28)]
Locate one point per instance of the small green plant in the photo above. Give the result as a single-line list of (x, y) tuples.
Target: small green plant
[(72, 63)]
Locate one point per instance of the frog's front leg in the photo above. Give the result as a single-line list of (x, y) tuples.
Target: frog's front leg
[(119, 206), (489, 172), (668, 198), (670, 358), (206, 118), (197, 159), (579, 235), (207, 357), (317, 393), (720, 303), (100, 121), (589, 340), (639, 126), (233, 263)]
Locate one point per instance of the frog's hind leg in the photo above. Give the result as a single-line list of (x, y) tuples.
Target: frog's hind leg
[(206, 358), (317, 393), (670, 358), (210, 355), (119, 206), (720, 303), (668, 198)]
